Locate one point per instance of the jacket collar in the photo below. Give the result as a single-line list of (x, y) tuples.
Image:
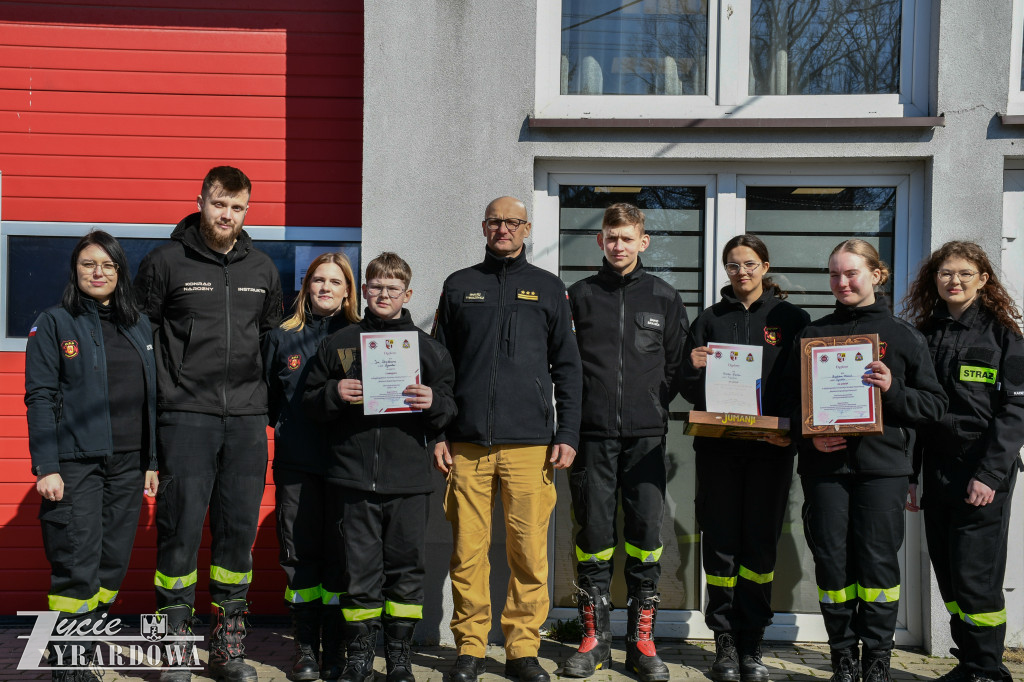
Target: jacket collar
[(403, 323), (608, 274), (333, 322), (941, 314), (880, 308), (494, 262), (187, 232), (729, 297)]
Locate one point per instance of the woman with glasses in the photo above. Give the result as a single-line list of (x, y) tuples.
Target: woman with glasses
[(326, 302), (855, 488), (743, 486), (971, 454), (90, 392)]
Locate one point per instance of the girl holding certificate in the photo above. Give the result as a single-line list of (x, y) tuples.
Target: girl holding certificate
[(971, 456), (855, 488), (742, 485), (327, 301)]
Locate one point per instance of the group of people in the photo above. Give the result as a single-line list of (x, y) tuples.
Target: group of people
[(181, 373)]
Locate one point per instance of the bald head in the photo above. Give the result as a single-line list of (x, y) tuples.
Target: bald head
[(505, 202), (509, 226)]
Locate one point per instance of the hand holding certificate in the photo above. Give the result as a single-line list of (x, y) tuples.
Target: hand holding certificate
[(836, 398), (390, 364)]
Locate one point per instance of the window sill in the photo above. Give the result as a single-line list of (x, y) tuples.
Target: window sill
[(1011, 119), (865, 122)]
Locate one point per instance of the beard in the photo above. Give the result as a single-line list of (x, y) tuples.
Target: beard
[(215, 238)]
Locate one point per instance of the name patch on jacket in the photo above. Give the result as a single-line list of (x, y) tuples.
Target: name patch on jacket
[(294, 361), (652, 321), (70, 348), (470, 296), (253, 290), (526, 295), (197, 286), (985, 375)]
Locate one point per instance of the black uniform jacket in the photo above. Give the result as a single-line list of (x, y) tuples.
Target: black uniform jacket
[(772, 324), (388, 454), (980, 364), (68, 407), (209, 312), (914, 399), (508, 328), (298, 442), (630, 331)]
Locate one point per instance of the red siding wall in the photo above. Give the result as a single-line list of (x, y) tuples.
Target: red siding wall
[(113, 111)]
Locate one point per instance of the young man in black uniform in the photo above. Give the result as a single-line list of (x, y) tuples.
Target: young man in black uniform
[(378, 475), (630, 326), (211, 296)]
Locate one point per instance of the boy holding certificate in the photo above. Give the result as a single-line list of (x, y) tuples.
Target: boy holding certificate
[(630, 328), (378, 469)]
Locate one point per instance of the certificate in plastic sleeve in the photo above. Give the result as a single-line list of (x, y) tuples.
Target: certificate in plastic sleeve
[(390, 362)]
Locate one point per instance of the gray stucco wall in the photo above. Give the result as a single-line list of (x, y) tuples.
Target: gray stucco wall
[(449, 85)]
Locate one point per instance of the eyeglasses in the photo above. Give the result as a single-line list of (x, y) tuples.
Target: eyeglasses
[(946, 276), (748, 267), (513, 224), (109, 269), (392, 292)]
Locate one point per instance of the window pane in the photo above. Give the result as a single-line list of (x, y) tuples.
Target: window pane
[(676, 223), (32, 289), (840, 47), (634, 47), (800, 226)]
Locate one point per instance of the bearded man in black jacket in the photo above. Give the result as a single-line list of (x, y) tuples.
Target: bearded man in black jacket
[(211, 297)]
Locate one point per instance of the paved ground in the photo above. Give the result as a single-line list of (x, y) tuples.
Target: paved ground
[(270, 649)]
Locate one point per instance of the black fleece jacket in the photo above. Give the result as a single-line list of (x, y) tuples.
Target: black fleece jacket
[(387, 454), (630, 331), (772, 324), (209, 313), (508, 328), (915, 398), (980, 364), (67, 386), (287, 354)]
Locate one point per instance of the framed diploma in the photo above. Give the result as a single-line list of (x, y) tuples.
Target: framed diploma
[(732, 395), (390, 362), (834, 398)]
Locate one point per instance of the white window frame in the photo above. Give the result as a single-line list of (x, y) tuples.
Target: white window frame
[(727, 183), (137, 230), (728, 73), (1015, 96)]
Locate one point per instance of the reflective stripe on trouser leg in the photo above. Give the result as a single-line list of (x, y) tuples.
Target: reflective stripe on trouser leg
[(528, 497), (310, 594), (357, 615), (395, 610)]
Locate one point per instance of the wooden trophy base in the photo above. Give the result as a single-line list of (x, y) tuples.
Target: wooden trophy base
[(728, 425)]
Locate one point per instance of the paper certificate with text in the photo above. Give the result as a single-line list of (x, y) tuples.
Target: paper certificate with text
[(391, 361), (732, 379), (839, 394)]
